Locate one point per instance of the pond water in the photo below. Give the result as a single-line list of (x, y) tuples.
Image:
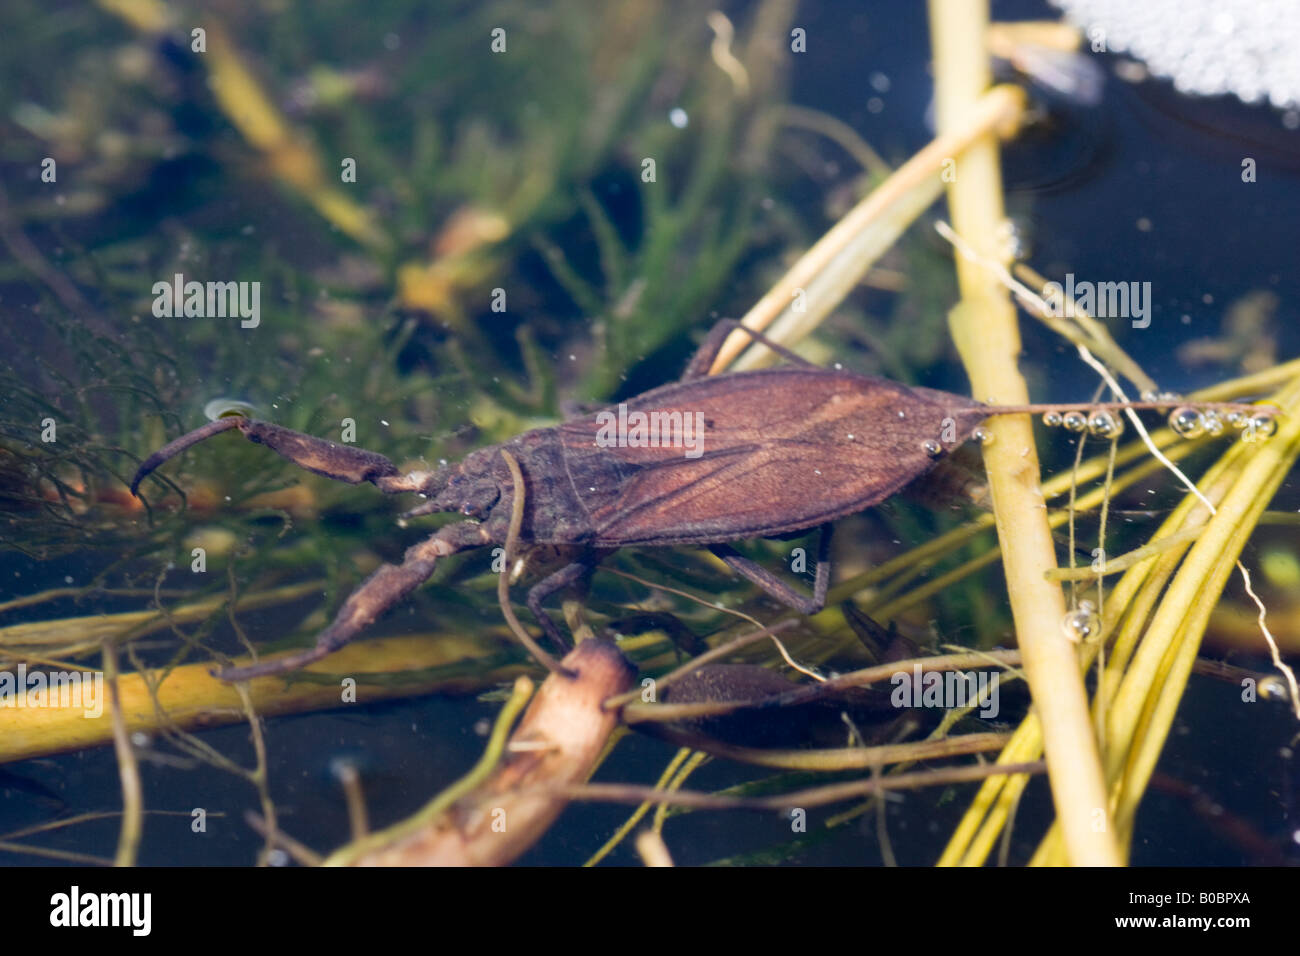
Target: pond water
[(155, 179)]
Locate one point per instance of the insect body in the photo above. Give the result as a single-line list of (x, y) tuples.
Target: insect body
[(782, 450), (776, 451)]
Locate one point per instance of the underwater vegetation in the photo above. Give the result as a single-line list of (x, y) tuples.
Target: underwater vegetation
[(382, 243)]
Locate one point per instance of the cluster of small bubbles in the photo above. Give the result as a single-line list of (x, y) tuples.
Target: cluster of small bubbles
[(1213, 422), (983, 435), (1206, 47), (1010, 234), (1236, 419), (932, 448), (1081, 623), (1187, 422), (1052, 419), (1074, 421), (1150, 395), (1170, 397), (1104, 424)]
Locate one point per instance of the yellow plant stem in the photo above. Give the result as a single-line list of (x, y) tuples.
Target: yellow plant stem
[(874, 603), (630, 823), (976, 835), (984, 328), (67, 636), (1146, 680), (128, 842), (1145, 705), (827, 272), (190, 697), (1147, 673)]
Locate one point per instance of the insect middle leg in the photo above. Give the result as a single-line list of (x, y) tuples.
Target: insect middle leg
[(561, 579), (774, 586)]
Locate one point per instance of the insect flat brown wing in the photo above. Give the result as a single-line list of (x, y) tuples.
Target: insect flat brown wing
[(778, 450)]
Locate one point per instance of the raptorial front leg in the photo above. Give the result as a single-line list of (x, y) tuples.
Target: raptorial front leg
[(382, 590), (774, 586), (340, 462), (702, 361)]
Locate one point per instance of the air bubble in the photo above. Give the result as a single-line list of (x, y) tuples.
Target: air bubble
[(1272, 688), (1081, 623), (1187, 422), (225, 407), (1259, 427), (1236, 419), (1074, 421), (1105, 425), (1051, 419), (1150, 395), (932, 448), (983, 435)]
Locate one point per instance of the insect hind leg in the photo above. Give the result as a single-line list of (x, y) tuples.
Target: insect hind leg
[(708, 351), (777, 588)]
